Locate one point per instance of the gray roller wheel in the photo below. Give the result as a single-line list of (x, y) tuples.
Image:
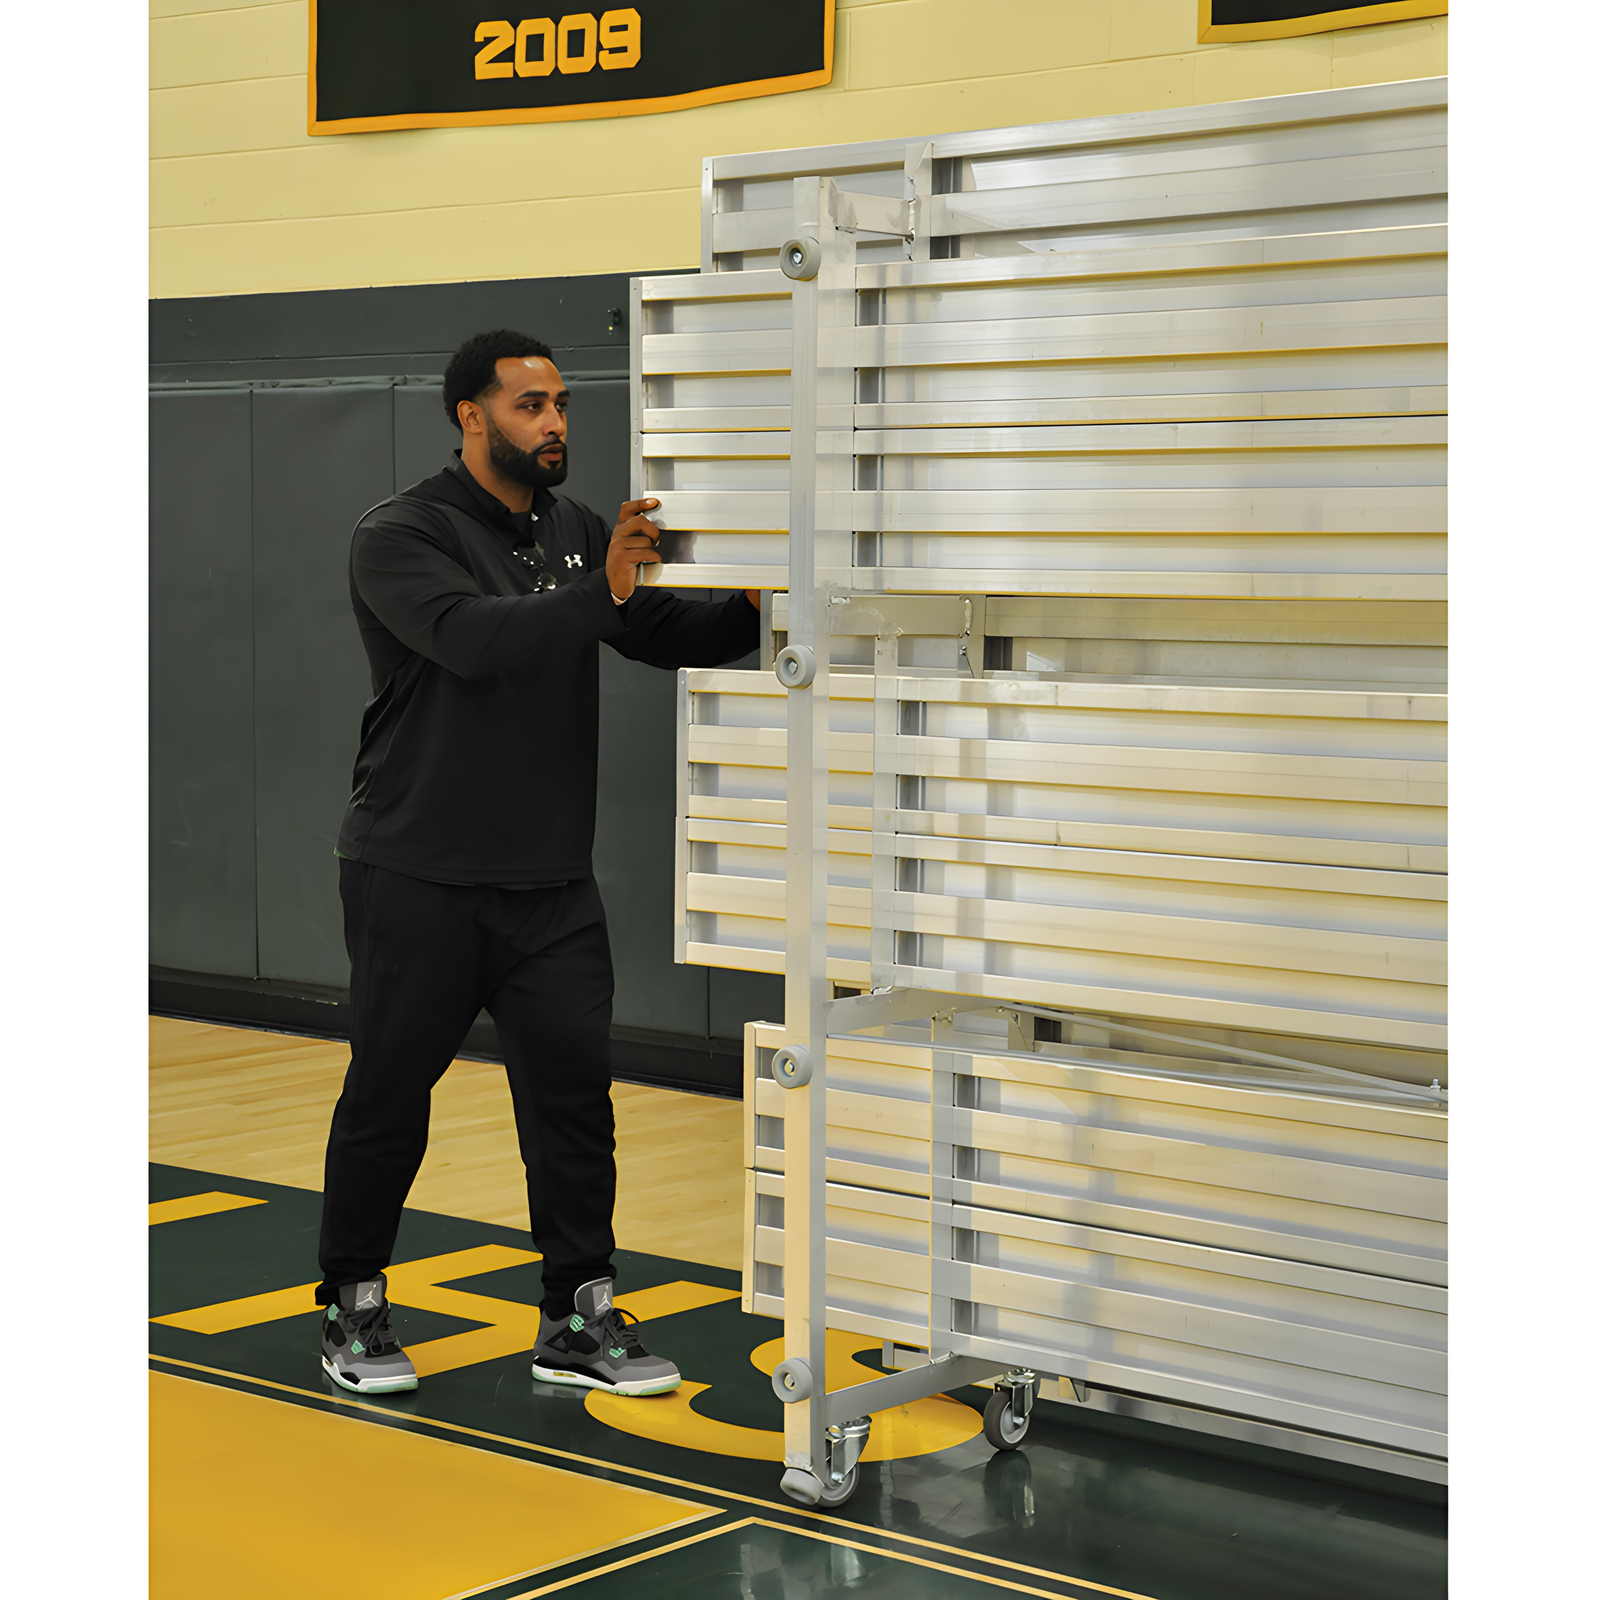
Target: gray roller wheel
[(835, 1494), (806, 1489), (1001, 1426)]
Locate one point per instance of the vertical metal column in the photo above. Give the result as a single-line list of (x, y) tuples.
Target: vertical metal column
[(820, 461), (885, 800)]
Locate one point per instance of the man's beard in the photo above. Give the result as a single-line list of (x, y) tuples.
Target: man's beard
[(523, 466)]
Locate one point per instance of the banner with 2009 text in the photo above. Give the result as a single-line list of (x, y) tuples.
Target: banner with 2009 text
[(382, 64), (1236, 21)]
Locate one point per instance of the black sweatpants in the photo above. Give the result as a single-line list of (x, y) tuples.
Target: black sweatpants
[(424, 957)]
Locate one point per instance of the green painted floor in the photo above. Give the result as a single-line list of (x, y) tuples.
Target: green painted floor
[(1077, 1510)]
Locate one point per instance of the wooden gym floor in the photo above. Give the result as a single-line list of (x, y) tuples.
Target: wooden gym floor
[(257, 1105), (266, 1481)]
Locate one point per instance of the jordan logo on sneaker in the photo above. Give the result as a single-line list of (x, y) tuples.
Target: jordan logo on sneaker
[(368, 1301), (574, 561)]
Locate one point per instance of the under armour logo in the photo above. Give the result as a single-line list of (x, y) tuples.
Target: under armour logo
[(574, 561)]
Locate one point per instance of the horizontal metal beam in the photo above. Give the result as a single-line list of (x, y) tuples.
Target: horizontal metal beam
[(913, 1383)]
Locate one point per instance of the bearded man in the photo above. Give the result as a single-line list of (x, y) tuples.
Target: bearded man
[(465, 855)]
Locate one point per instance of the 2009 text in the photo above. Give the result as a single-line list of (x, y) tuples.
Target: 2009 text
[(542, 45)]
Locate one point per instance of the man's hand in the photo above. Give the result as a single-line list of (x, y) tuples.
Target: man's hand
[(633, 543), (754, 597)]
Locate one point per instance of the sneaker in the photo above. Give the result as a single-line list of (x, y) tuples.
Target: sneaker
[(359, 1349), (596, 1349)]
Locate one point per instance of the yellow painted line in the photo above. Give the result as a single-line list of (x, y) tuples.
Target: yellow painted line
[(233, 1503), (672, 1419), (199, 1205), (641, 1472), (1010, 1566), (429, 1271), (633, 1561), (667, 1299), (510, 1327), (246, 1313), (922, 1561), (412, 1283)]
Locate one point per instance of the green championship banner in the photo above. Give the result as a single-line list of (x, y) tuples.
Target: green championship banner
[(1223, 20), (379, 64)]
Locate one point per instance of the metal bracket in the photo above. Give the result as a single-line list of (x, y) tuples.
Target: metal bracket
[(1139, 1030), (898, 616), (963, 649), (882, 1007), (1023, 1384), (846, 1440), (875, 213)]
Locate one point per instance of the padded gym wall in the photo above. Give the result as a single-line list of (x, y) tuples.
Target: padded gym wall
[(243, 200), (278, 420)]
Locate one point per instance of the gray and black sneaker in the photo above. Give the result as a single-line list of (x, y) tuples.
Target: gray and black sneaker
[(359, 1349), (596, 1349)]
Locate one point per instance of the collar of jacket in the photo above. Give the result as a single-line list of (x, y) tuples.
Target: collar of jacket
[(465, 490)]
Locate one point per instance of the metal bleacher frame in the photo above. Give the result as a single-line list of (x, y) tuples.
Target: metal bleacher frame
[(1112, 1065)]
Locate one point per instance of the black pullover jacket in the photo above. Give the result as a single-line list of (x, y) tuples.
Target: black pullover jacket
[(479, 745)]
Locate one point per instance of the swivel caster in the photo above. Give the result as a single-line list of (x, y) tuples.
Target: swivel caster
[(840, 1470), (807, 1489), (1010, 1407)]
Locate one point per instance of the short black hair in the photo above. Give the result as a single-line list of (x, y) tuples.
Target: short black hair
[(471, 371)]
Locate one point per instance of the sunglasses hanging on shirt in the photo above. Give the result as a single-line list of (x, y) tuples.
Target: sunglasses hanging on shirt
[(533, 556)]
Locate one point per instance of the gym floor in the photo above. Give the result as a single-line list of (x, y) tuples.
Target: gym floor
[(269, 1481)]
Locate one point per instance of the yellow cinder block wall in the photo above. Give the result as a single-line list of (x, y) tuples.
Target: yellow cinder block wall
[(244, 201)]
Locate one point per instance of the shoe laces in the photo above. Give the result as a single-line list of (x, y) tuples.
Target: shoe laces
[(614, 1331), (373, 1332)]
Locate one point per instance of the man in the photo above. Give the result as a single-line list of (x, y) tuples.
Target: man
[(465, 853)]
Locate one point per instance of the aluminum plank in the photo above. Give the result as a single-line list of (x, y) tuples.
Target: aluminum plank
[(1299, 326), (1241, 186), (1352, 283), (752, 285), (1240, 515), (1203, 1260), (1245, 583), (1219, 1164), (1154, 407), (1051, 856), (1161, 998), (1380, 854), (737, 350), (1332, 249), (1236, 772), (715, 419), (1143, 438)]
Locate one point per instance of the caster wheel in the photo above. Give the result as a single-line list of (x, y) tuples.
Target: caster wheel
[(835, 1494), (1001, 1426), (807, 1489)]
